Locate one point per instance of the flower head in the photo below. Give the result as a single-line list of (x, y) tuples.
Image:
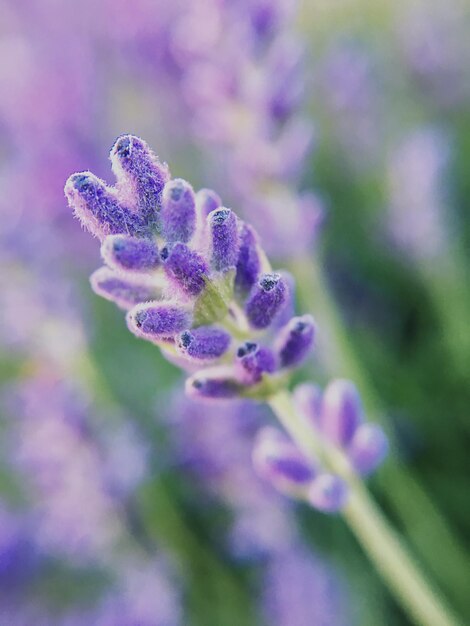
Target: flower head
[(192, 276)]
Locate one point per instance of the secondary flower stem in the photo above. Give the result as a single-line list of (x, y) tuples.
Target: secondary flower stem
[(383, 545), (439, 547)]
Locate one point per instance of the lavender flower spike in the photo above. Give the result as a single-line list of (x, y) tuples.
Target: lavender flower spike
[(178, 211), (224, 239), (156, 321), (98, 208), (295, 341), (130, 254), (266, 299), (141, 177), (204, 344)]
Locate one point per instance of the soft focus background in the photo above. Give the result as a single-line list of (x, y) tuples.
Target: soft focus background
[(120, 502)]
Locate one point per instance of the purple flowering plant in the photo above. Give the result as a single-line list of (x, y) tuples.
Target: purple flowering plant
[(194, 279)]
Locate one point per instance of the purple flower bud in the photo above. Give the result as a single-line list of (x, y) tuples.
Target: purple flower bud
[(141, 176), (368, 448), (205, 343), (158, 321), (216, 383), (178, 211), (279, 462), (308, 401), (266, 299), (341, 411), (224, 238), (207, 201), (130, 253), (254, 361), (248, 264), (185, 268), (98, 208), (328, 493), (289, 309), (295, 341), (125, 292)]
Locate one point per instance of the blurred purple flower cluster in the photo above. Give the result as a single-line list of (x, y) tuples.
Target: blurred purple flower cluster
[(243, 83)]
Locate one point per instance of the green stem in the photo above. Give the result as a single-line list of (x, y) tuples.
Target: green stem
[(439, 546), (379, 540)]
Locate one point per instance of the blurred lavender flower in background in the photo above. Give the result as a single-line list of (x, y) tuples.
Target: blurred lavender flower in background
[(433, 39), (418, 215), (349, 89), (243, 85)]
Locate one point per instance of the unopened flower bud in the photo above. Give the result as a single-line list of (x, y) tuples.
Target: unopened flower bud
[(328, 493), (178, 211), (130, 254), (224, 239), (253, 361), (204, 344), (141, 176), (308, 401), (217, 383), (279, 462), (341, 411), (98, 208), (266, 299), (158, 321), (186, 269), (295, 341), (248, 263), (125, 292), (368, 448), (207, 201)]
